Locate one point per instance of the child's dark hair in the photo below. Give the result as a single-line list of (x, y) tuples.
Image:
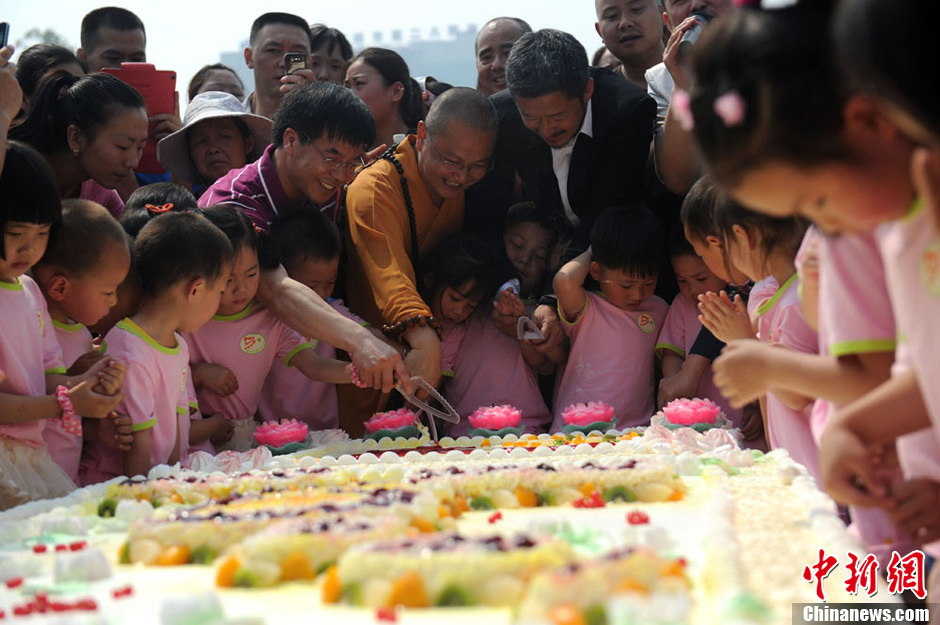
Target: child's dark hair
[(147, 202), (458, 261), (64, 100), (85, 227), (28, 191), (233, 223), (699, 206), (629, 239), (777, 234), (305, 235), (779, 65), (878, 45), (677, 245), (179, 247), (529, 212)]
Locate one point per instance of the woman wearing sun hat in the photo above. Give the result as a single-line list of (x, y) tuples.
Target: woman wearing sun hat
[(217, 136)]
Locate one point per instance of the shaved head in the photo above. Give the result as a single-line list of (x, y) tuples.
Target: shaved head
[(462, 104)]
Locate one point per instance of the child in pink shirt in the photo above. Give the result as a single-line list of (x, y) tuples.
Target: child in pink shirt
[(309, 245), (234, 352), (183, 262), (496, 368), (79, 276), (613, 334), (764, 247), (29, 353), (682, 325)]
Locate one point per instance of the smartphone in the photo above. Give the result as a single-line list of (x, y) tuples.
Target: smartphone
[(158, 87), (4, 33), (294, 61)]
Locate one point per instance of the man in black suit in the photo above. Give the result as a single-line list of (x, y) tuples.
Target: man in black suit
[(572, 138)]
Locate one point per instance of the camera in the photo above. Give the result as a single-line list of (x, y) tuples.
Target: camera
[(294, 61), (690, 36)]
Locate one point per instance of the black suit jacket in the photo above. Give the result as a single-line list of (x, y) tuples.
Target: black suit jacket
[(606, 169)]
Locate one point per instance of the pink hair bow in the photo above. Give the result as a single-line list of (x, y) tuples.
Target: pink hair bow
[(682, 109), (730, 108)]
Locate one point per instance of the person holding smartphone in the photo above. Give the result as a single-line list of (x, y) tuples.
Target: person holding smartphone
[(274, 35)]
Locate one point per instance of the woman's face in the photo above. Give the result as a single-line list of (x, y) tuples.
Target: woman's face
[(328, 66), (369, 86), (113, 153), (216, 146)]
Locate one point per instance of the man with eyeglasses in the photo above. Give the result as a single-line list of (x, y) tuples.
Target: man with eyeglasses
[(403, 205), (319, 137)]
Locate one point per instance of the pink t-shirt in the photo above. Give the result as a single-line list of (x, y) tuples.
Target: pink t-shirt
[(855, 315), (612, 359), (781, 321), (678, 335), (109, 198), (490, 370), (28, 351), (911, 252), (762, 291), (247, 343), (289, 394), (154, 398), (65, 448)]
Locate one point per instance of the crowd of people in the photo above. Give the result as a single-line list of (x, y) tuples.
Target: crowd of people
[(753, 221)]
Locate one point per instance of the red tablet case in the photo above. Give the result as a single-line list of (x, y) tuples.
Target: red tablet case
[(158, 87)]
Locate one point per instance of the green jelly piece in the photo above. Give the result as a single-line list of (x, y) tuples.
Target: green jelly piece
[(619, 493), (727, 468), (546, 499), (107, 508), (323, 567), (203, 555), (125, 556), (352, 593), (245, 579), (596, 615), (454, 596), (155, 503), (481, 503)]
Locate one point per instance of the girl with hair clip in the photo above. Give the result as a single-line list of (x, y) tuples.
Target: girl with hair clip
[(380, 78), (37, 387), (786, 135), (765, 247), (91, 130)]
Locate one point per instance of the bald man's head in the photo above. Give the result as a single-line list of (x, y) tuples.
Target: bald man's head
[(465, 105)]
